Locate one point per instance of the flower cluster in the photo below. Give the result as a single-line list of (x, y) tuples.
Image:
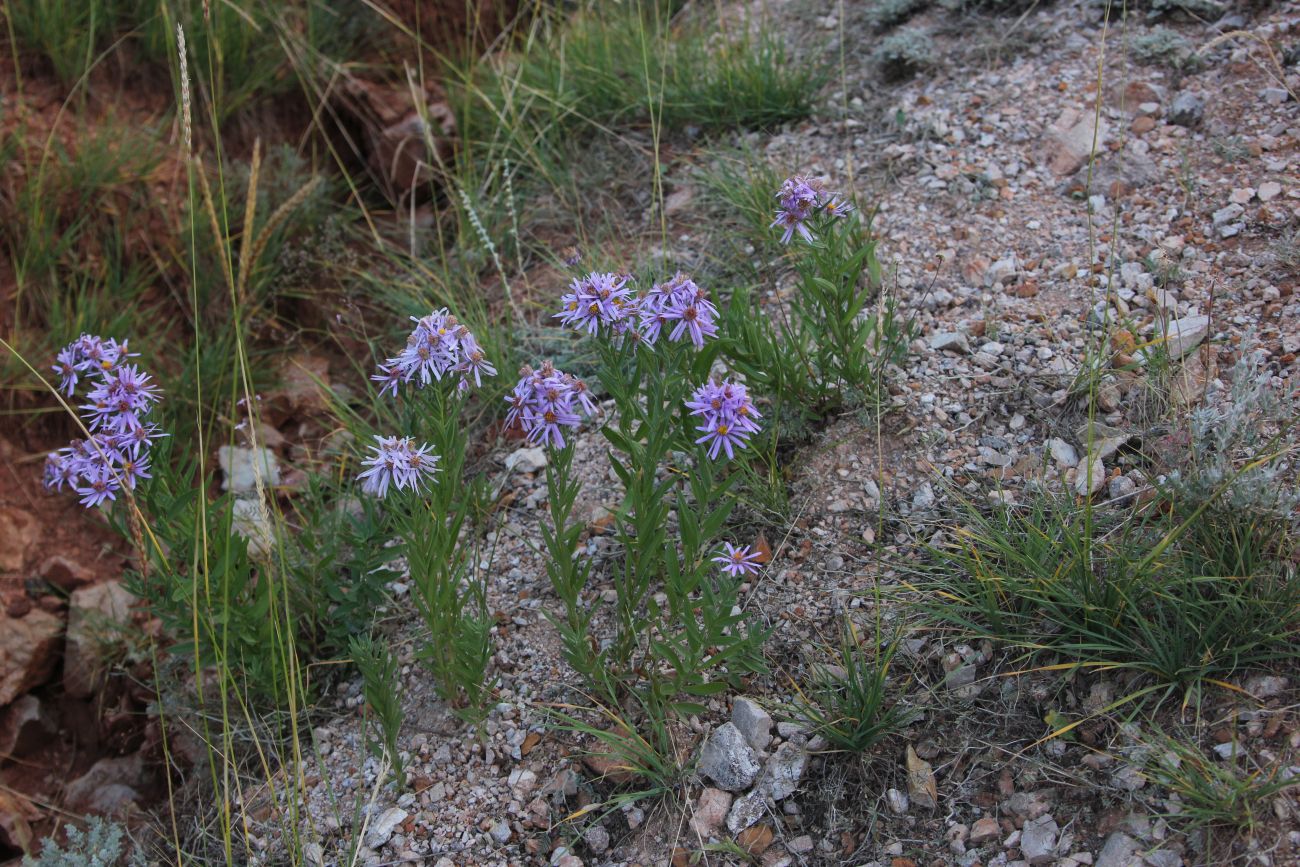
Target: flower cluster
[(399, 463), (116, 412), (438, 346), (684, 305), (728, 415), (85, 355), (739, 561), (604, 301), (599, 299), (800, 199), (547, 400)]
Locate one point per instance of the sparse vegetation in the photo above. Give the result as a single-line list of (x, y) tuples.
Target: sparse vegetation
[(470, 412), (100, 844), (1212, 793), (891, 13), (1139, 599), (1166, 47), (848, 701), (904, 54)]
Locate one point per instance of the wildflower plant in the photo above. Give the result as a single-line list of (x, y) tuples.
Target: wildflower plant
[(675, 430), (840, 333), (381, 682), (418, 477)]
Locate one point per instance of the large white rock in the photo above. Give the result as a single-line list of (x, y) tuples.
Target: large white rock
[(381, 829)]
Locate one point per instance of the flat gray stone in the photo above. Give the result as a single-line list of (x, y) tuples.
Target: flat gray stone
[(950, 341), (1266, 685), (746, 810), (1091, 476), (241, 466), (783, 771), (1027, 805), (529, 459), (1187, 109), (1120, 850), (728, 759), (381, 829), (1038, 840), (1063, 453), (1184, 335), (97, 616), (1121, 488), (754, 722)]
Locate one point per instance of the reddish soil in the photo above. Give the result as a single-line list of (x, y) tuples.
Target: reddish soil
[(49, 544), (50, 547)]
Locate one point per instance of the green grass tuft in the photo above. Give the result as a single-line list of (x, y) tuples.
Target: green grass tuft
[(1136, 598), (849, 703), (1210, 792), (630, 66)]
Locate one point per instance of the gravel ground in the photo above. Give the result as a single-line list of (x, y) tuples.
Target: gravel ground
[(1010, 247)]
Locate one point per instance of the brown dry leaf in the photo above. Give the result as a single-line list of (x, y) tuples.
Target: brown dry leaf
[(920, 781), (608, 767), (755, 839), (1123, 341), (1189, 380), (603, 524), (15, 811)]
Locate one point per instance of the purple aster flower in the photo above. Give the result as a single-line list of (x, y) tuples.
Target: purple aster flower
[(60, 470), (391, 377), (138, 439), (582, 395), (86, 355), (838, 207), (800, 199), (475, 365), (728, 415), (100, 354), (132, 469), (399, 463), (739, 561), (682, 303), (421, 466), (66, 366), (790, 222), (598, 300), (543, 404), (97, 484), (438, 345)]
